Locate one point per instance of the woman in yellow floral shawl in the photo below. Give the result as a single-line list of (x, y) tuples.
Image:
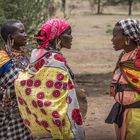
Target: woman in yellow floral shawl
[(125, 86), (46, 94)]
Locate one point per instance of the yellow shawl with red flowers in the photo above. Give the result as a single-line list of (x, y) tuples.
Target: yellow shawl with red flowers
[(47, 99)]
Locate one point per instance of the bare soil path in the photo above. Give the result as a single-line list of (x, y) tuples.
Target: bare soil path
[(99, 104)]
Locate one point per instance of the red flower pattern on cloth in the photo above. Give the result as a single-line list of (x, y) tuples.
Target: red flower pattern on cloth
[(35, 116), (36, 67), (28, 91), (45, 123), (39, 64), (60, 77), (63, 122), (59, 57), (76, 116), (65, 86), (49, 54), (58, 85), (23, 83), (70, 85), (56, 93), (38, 122), (43, 111), (29, 82), (40, 103), (20, 100), (55, 114), (40, 95), (49, 83), (26, 122), (57, 123), (34, 103), (47, 103), (37, 83), (69, 100), (28, 110)]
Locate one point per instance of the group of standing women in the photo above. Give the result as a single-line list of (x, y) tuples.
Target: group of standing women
[(38, 98)]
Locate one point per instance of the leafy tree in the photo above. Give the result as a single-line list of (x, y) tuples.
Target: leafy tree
[(97, 3), (99, 6), (31, 12), (127, 2), (64, 7)]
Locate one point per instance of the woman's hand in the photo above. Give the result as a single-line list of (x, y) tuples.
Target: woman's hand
[(112, 89)]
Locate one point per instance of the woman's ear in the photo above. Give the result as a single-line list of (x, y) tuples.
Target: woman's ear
[(10, 40)]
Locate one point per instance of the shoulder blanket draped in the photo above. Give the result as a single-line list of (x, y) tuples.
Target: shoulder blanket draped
[(5, 62), (47, 99), (131, 72)]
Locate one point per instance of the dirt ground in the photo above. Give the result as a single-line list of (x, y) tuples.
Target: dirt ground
[(99, 104)]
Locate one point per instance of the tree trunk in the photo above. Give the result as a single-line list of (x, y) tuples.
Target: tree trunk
[(99, 7), (130, 7), (64, 7)]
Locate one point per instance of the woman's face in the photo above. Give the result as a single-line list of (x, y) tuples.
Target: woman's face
[(66, 39), (118, 39), (19, 36)]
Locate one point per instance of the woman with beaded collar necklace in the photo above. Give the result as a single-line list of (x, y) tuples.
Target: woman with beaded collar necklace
[(12, 62)]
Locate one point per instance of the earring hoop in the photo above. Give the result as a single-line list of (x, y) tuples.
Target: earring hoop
[(126, 42), (12, 42)]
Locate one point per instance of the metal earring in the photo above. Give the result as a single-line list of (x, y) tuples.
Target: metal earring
[(12, 42), (58, 45), (126, 42)]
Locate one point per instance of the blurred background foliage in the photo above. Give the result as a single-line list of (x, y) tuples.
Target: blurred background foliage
[(31, 12)]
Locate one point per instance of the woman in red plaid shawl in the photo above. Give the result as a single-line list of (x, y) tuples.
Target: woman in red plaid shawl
[(12, 61), (125, 85)]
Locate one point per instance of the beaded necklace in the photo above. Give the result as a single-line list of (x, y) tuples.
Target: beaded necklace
[(17, 57)]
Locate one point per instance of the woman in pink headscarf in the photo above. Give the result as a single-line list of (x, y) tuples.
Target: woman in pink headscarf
[(46, 94)]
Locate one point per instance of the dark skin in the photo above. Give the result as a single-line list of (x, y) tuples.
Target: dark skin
[(119, 41), (66, 38), (19, 36)]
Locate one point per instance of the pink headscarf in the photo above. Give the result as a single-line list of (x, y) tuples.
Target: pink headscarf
[(51, 30), (48, 32)]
